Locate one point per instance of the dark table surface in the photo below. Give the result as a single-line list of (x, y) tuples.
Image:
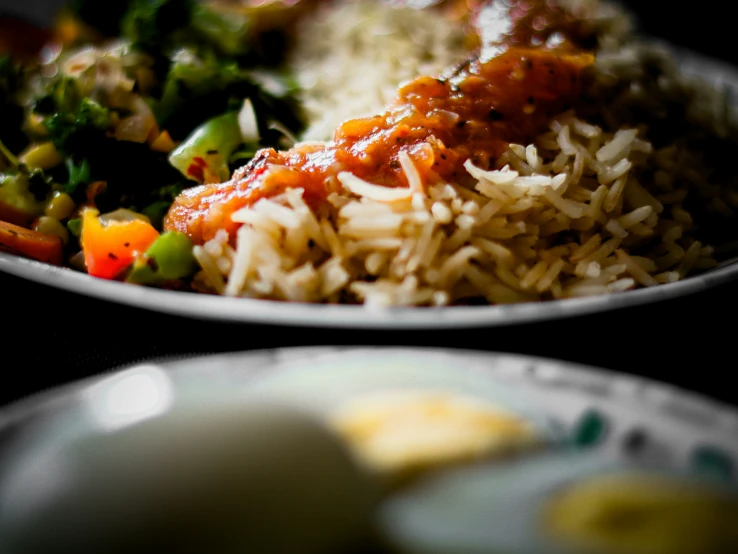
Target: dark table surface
[(51, 337)]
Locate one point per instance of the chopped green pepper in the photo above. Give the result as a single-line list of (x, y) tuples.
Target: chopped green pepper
[(75, 227), (170, 258), (208, 148)]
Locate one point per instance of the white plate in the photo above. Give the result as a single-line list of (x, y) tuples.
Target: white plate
[(201, 306), (676, 422), (243, 310), (675, 428)]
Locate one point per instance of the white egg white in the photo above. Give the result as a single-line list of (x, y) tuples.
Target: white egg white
[(498, 509)]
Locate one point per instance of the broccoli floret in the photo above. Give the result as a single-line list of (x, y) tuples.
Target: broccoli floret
[(67, 128)]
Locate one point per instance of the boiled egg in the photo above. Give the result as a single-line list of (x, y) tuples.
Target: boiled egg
[(563, 503)]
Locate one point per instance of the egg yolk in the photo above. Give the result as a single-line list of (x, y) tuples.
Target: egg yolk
[(402, 433), (638, 514)]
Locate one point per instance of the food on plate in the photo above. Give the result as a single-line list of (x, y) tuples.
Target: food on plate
[(404, 433), (432, 154), (201, 477), (123, 107), (348, 453), (564, 503), (403, 420)]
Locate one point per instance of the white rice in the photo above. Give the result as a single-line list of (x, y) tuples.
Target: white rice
[(361, 77), (527, 241), (593, 206)]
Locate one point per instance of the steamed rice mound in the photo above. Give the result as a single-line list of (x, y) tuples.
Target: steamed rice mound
[(612, 198)]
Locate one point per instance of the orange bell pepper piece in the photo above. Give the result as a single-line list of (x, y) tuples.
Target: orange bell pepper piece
[(31, 244), (109, 249)]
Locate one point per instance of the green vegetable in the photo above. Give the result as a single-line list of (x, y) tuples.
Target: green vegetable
[(200, 85), (226, 30), (75, 227), (150, 24), (72, 125), (22, 188), (78, 175), (193, 75), (209, 148), (170, 258), (156, 212), (16, 190)]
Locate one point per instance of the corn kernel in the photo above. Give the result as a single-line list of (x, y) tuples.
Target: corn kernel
[(60, 206), (41, 156), (51, 226), (163, 143), (34, 125)]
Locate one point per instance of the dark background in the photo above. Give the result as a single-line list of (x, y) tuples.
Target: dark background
[(707, 27), (49, 337)]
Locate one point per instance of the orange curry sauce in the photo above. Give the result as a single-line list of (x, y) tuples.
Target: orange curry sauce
[(527, 71)]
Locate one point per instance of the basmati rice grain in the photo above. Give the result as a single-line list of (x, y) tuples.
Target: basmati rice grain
[(681, 215), (224, 265), (636, 216), (621, 285), (614, 227), (441, 213), (430, 253), (551, 274), (674, 255), (533, 275), (690, 257), (635, 269), (375, 262), (604, 251), (616, 172), (371, 191), (572, 209), (561, 161), (282, 215), (519, 150), (334, 243), (565, 142), (614, 195), (453, 267), (333, 277), (411, 172), (614, 149), (215, 279)]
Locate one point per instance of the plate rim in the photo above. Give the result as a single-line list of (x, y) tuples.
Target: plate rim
[(271, 312), (727, 414)]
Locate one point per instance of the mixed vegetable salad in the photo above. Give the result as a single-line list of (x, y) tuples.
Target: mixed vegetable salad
[(106, 117)]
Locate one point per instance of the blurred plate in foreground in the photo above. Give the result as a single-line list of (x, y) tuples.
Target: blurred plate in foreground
[(384, 433)]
